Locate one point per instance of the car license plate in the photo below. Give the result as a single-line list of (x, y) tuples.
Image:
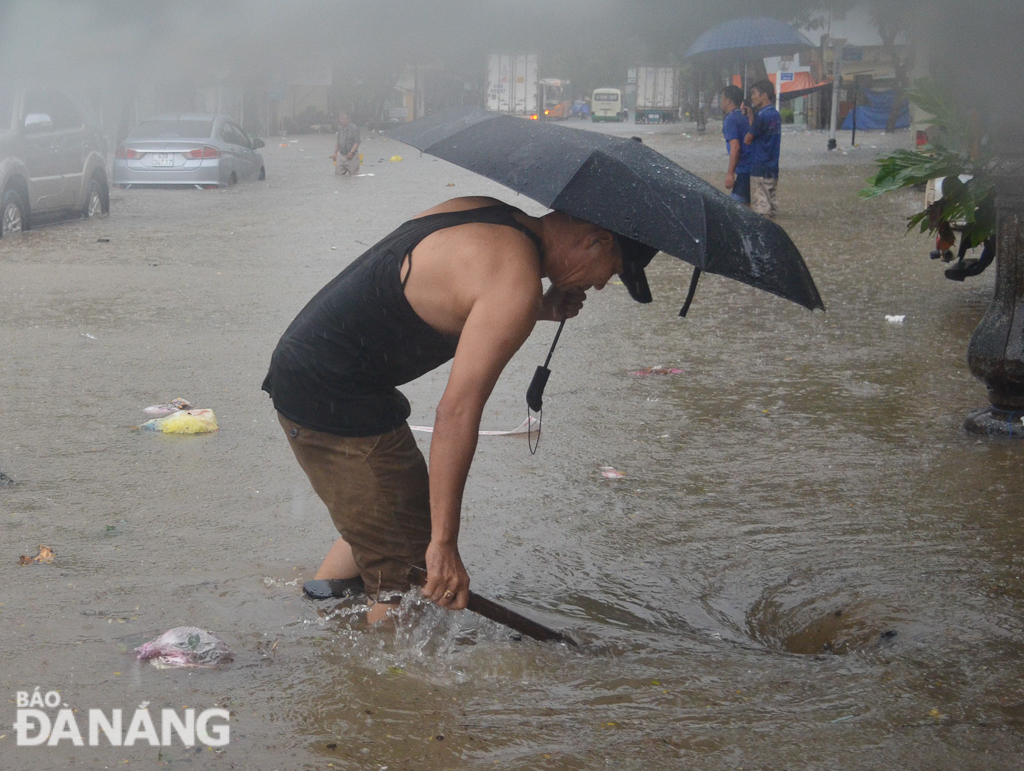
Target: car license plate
[(163, 159)]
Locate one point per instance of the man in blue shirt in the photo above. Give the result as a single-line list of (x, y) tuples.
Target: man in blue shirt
[(764, 139), (734, 129)]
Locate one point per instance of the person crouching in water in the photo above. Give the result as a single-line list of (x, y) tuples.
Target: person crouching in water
[(462, 282)]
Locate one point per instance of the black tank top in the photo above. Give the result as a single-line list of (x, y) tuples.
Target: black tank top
[(337, 365)]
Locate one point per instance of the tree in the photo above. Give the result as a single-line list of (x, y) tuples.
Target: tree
[(893, 20)]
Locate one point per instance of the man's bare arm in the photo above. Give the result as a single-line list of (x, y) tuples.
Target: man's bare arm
[(498, 324), (734, 159)]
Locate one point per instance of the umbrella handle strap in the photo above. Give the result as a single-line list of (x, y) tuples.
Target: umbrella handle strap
[(689, 294), (535, 393)]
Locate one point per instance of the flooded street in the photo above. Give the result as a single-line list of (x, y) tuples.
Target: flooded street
[(806, 565)]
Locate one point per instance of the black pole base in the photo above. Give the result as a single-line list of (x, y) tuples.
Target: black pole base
[(831, 144), (990, 421)]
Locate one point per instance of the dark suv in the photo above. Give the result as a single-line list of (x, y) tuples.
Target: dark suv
[(51, 162)]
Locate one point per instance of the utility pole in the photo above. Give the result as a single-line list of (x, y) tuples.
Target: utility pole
[(837, 80)]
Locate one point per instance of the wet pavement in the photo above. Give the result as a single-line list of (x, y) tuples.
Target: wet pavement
[(806, 563)]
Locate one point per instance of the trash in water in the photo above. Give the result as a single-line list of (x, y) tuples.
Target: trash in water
[(610, 473), (530, 424), (366, 175), (184, 422), (184, 646), (86, 334), (396, 157), (46, 554), (5, 481), (646, 371), (174, 405), (894, 319), (450, 184)]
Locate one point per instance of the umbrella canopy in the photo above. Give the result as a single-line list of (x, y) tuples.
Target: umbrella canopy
[(624, 186), (750, 38)]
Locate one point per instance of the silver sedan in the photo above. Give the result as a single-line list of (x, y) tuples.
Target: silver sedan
[(200, 150)]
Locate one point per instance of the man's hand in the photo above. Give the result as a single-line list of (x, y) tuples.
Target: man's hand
[(558, 304), (447, 580), (730, 180)]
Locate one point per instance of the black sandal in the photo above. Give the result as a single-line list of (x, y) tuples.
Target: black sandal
[(333, 588)]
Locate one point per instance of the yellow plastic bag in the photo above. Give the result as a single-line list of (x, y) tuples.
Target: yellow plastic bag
[(184, 422)]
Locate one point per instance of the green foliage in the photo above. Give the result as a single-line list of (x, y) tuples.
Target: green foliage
[(958, 155)]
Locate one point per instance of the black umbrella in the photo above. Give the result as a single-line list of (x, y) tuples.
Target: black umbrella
[(623, 186)]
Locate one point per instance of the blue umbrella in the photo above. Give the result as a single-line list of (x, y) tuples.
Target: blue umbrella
[(749, 38)]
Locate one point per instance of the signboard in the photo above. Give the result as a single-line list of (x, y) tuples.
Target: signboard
[(787, 76)]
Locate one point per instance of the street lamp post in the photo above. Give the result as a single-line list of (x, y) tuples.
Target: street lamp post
[(996, 351), (837, 80)]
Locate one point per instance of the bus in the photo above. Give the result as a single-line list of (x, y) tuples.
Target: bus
[(606, 104)]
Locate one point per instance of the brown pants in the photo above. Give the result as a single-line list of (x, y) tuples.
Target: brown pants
[(376, 489)]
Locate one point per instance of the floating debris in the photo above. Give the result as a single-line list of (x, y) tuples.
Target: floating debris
[(46, 555), (396, 157), (184, 422), (609, 472), (174, 405), (895, 319), (184, 646)]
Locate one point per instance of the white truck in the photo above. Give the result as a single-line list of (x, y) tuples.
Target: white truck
[(657, 94), (512, 83)]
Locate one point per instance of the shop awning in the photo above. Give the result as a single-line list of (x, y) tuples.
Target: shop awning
[(802, 84)]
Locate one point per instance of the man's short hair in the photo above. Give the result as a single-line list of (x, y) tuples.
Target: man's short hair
[(765, 87), (734, 94)]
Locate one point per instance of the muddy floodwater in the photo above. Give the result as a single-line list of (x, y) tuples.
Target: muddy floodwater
[(805, 564)]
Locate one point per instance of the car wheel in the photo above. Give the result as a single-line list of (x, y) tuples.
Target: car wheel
[(12, 213), (94, 200), (263, 174)]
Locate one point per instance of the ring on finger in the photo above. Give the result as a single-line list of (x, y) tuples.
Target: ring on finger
[(449, 594)]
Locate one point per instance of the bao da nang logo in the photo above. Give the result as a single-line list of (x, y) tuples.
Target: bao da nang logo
[(43, 719)]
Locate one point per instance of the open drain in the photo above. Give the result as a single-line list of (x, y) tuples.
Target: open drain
[(786, 619)]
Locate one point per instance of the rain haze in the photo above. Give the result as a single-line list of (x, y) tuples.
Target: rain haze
[(765, 527)]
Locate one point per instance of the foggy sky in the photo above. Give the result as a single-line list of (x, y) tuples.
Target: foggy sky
[(974, 44)]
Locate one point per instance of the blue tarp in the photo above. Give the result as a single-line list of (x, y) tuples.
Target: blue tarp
[(875, 114)]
